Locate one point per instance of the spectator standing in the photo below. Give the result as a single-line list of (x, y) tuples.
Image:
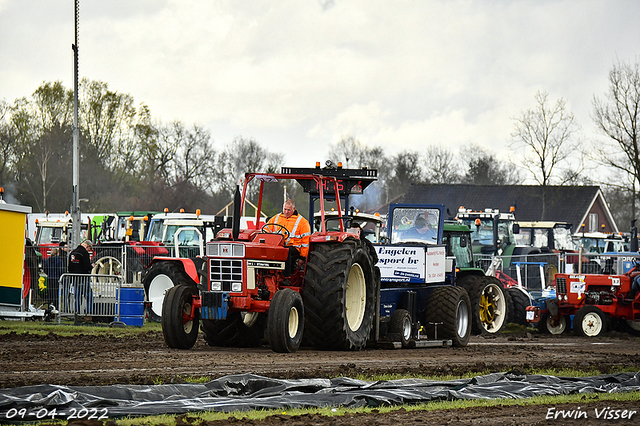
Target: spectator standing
[(80, 263), (53, 266)]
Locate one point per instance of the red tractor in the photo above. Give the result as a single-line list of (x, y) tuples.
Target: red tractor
[(592, 302), (239, 290)]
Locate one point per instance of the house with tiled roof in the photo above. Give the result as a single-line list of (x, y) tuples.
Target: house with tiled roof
[(576, 205)]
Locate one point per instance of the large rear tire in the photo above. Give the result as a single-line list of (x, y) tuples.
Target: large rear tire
[(339, 295), (239, 330), (520, 302), (450, 306), (158, 279), (590, 321), (488, 304), (179, 327), (285, 321)]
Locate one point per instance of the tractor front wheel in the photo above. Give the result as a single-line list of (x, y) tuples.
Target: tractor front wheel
[(179, 318), (553, 326), (285, 321), (589, 321)]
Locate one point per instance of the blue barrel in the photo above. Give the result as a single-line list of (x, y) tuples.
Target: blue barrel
[(132, 306)]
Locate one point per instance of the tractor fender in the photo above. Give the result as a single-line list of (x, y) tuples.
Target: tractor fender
[(187, 264), (525, 250)]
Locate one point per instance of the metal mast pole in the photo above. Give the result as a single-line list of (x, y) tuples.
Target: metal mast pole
[(75, 211)]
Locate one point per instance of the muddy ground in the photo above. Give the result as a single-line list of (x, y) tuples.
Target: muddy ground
[(144, 359)]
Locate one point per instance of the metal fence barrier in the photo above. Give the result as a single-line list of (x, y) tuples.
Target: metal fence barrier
[(89, 295), (46, 264), (533, 272)]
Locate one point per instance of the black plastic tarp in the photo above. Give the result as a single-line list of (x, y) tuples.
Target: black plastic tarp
[(248, 392)]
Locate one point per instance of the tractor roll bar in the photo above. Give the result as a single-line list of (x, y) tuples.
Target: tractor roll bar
[(320, 180)]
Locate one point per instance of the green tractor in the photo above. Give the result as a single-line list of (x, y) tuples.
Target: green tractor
[(493, 305)]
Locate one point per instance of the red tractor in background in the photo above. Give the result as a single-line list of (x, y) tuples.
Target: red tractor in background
[(242, 278), (592, 303)]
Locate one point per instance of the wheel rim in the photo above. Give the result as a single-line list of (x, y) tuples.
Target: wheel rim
[(492, 308), (187, 319), (635, 325), (249, 318), (592, 324), (556, 327), (355, 296), (110, 266), (462, 319), (293, 322), (406, 328), (157, 289), (107, 266)]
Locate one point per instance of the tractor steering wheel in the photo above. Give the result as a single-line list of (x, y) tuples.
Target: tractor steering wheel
[(275, 228)]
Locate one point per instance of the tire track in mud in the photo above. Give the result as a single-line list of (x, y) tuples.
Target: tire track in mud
[(100, 360)]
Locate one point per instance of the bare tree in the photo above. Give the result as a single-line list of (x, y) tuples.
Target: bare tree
[(407, 170), (349, 150), (195, 158), (485, 169), (40, 125), (544, 138), (7, 142), (441, 165), (244, 156), (355, 154), (108, 120), (617, 116)]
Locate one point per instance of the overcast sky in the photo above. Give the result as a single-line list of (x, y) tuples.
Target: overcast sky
[(296, 75)]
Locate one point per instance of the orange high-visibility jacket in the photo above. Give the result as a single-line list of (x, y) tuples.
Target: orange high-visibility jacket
[(299, 231)]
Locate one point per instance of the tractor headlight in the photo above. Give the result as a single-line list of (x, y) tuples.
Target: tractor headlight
[(236, 287), (216, 286)]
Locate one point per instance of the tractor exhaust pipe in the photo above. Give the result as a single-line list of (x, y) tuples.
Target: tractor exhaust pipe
[(235, 227)]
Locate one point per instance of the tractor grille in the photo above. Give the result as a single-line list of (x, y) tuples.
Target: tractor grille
[(561, 285), (225, 271), (225, 249)]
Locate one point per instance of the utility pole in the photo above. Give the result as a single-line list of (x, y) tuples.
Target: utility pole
[(75, 210)]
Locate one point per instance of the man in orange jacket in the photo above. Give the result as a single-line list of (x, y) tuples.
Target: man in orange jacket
[(298, 228)]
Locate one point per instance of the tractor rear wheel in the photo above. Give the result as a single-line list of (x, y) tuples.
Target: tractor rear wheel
[(339, 295), (488, 304), (449, 314), (285, 321), (159, 278), (589, 321), (107, 265), (400, 326), (179, 325), (520, 302), (239, 330)]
